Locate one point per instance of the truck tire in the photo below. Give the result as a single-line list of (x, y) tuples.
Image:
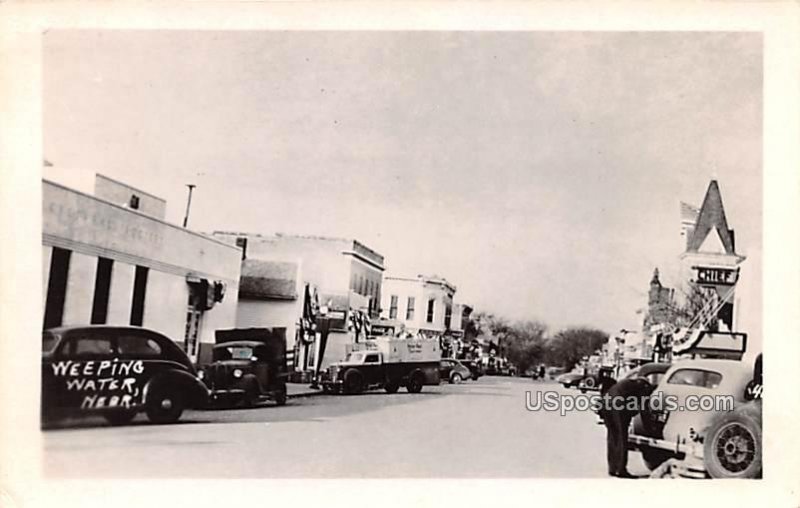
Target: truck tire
[(732, 447), (353, 382), (251, 396), (391, 386), (415, 383), (165, 406)]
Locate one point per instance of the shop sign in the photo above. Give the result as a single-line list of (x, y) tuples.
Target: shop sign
[(716, 276)]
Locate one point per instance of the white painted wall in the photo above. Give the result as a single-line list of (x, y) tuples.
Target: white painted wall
[(165, 304), (270, 314), (80, 289), (120, 293), (90, 228)]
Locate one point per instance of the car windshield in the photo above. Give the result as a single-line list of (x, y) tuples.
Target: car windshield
[(695, 377), (49, 342), (354, 357), (233, 353)]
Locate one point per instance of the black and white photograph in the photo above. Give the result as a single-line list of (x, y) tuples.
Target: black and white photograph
[(404, 254)]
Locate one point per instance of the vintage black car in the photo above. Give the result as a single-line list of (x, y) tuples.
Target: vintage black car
[(116, 371), (453, 371), (248, 365), (475, 368)]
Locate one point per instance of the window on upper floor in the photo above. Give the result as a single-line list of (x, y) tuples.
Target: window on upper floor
[(410, 309), (448, 315), (393, 307), (431, 305)]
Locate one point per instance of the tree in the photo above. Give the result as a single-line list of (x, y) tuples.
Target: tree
[(525, 344), (569, 346)]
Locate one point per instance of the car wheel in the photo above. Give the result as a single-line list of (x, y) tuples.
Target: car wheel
[(353, 382), (456, 379), (415, 383), (120, 416), (654, 457), (733, 447), (281, 397), (251, 396), (391, 386), (165, 407)]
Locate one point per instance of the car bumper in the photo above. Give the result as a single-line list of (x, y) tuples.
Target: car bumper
[(692, 466), (222, 394)]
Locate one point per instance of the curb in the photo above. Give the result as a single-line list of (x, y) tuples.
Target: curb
[(302, 395)]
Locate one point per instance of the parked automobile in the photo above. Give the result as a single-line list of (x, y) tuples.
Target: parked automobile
[(603, 377), (719, 442), (248, 365), (117, 371), (570, 379), (554, 372), (653, 372), (387, 363), (453, 371), (475, 368)]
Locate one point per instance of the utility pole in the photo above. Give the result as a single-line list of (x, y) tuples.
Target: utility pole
[(188, 204)]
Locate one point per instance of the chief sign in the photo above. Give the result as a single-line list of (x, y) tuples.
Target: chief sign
[(716, 276)]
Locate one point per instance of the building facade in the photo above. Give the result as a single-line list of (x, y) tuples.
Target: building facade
[(112, 259), (340, 278), (710, 265), (335, 266), (423, 304)]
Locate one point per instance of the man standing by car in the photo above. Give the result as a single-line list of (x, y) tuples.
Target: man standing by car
[(620, 404)]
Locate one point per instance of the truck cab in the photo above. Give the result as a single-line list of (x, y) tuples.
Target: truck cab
[(248, 366)]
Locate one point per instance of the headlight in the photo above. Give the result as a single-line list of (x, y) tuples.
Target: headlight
[(237, 373), (201, 374)]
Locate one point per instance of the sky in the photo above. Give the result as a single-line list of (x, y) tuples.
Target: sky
[(540, 172)]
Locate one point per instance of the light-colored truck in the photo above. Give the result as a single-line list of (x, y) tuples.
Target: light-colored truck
[(388, 363)]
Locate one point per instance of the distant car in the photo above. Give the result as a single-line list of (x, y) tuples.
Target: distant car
[(453, 371), (117, 371), (719, 442), (475, 368), (570, 379), (598, 381)]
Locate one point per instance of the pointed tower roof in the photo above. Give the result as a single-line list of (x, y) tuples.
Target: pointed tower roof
[(655, 280), (710, 218)]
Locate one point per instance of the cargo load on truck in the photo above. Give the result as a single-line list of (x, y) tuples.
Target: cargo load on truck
[(385, 362)]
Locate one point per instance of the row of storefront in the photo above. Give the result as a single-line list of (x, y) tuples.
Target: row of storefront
[(109, 257)]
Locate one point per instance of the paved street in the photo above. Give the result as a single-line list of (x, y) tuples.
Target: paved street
[(477, 429)]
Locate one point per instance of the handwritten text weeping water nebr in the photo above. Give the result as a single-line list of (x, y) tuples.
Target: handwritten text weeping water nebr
[(105, 383)]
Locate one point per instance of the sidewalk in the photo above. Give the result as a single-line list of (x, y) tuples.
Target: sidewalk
[(297, 390)]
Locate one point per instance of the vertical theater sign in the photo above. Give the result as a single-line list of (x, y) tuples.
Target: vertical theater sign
[(711, 267)]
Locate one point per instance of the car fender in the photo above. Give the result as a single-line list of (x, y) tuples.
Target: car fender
[(194, 389)]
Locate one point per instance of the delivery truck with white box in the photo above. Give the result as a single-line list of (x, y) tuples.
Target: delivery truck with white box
[(385, 362)]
